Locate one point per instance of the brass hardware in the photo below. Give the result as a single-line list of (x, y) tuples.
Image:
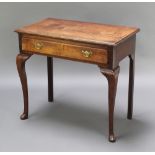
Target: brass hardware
[(38, 45), (86, 53)]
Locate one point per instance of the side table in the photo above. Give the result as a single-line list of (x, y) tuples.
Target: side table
[(100, 44)]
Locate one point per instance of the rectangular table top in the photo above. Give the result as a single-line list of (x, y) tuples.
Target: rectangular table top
[(80, 31)]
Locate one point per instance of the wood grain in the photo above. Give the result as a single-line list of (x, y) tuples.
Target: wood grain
[(98, 55), (51, 48), (64, 50), (80, 31)]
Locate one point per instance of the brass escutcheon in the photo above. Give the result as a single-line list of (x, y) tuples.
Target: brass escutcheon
[(86, 53), (38, 45)]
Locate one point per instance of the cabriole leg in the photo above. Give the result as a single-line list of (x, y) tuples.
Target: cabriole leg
[(20, 61), (112, 77)]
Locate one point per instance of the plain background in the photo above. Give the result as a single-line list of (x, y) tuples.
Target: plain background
[(78, 118)]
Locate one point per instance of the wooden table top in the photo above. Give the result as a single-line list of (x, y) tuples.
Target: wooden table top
[(80, 31)]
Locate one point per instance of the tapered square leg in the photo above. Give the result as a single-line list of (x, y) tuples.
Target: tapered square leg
[(50, 78), (131, 85), (112, 77), (20, 61)]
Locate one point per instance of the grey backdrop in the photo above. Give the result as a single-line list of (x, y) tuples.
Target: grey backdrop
[(77, 121)]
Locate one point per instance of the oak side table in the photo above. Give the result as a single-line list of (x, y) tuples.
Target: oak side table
[(100, 44)]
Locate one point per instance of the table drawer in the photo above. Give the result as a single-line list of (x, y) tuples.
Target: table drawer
[(85, 53), (81, 53), (41, 46)]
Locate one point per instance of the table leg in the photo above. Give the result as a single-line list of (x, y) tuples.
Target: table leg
[(20, 61), (50, 78), (131, 86), (112, 77)]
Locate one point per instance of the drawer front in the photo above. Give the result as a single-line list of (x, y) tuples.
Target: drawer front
[(81, 53), (41, 46), (85, 53)]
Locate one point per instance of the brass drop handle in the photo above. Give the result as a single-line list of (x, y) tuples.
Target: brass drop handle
[(86, 53), (38, 45)]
